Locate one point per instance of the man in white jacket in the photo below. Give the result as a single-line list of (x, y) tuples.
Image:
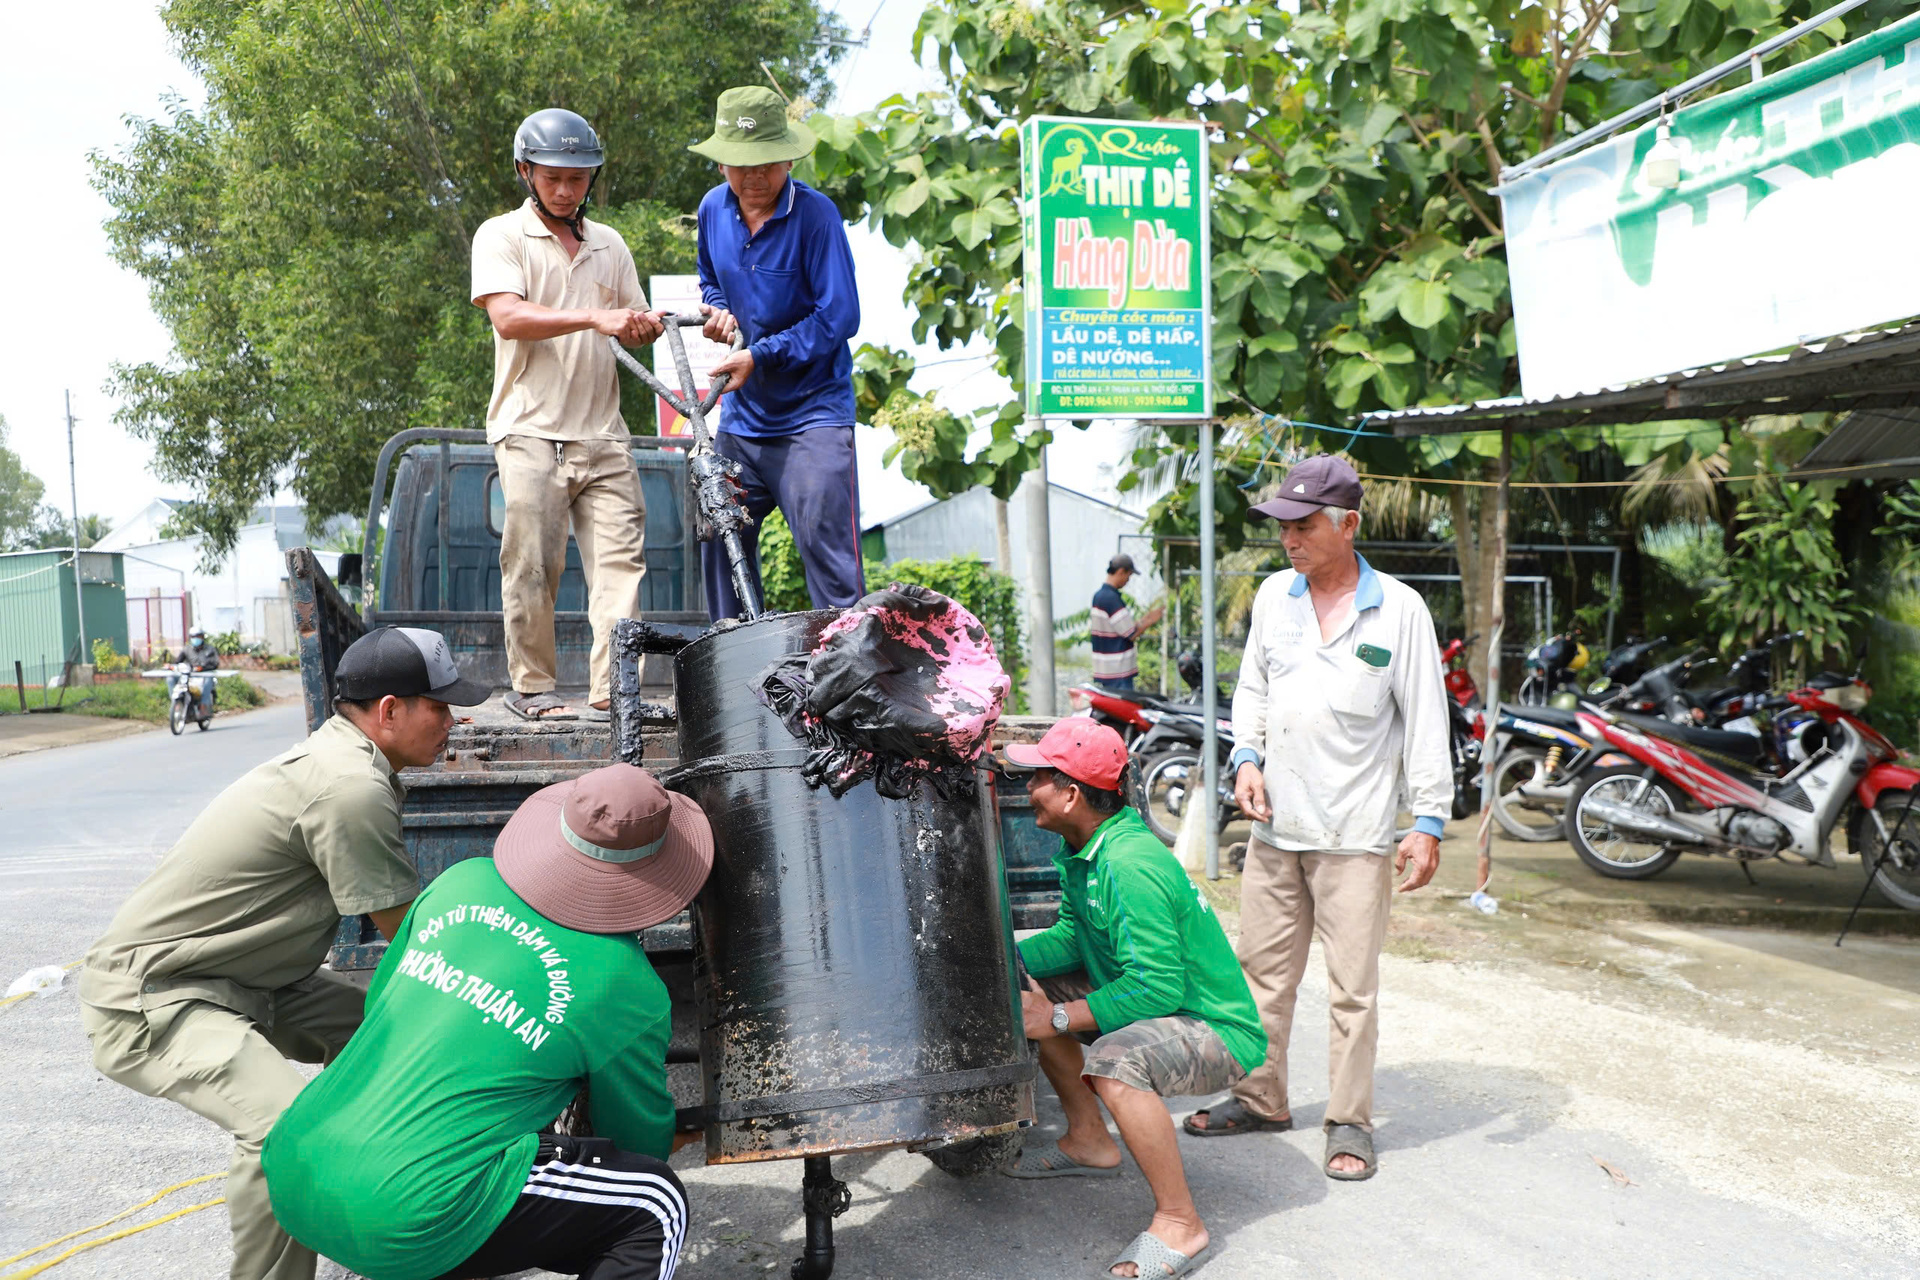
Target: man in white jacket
[(1340, 707)]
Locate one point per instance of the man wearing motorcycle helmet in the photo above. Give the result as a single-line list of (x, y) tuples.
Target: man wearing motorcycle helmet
[(556, 286), (200, 656)]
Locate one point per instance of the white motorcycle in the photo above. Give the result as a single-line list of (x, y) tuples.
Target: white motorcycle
[(185, 689)]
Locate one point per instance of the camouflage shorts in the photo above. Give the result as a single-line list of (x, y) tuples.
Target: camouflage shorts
[(1173, 1057)]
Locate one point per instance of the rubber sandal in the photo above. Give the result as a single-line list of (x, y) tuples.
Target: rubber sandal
[(1349, 1140), (1235, 1118), (1049, 1161), (540, 706), (1156, 1259)]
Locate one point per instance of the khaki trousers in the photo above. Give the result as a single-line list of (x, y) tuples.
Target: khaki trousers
[(1286, 900), (220, 1065), (549, 484)]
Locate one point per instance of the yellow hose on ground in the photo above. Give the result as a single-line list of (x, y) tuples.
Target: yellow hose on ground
[(37, 1268)]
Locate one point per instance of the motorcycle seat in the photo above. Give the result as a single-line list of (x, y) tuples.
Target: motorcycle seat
[(1558, 717), (1744, 747)]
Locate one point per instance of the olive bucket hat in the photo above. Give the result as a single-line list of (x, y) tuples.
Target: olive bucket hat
[(751, 127)]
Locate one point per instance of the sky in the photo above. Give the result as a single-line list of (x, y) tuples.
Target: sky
[(74, 312)]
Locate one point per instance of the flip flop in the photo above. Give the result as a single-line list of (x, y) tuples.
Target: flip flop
[(1234, 1118), (540, 706), (1155, 1258), (1049, 1161), (1349, 1140)]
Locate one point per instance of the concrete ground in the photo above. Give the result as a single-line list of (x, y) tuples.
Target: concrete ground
[(24, 732), (1578, 1085)]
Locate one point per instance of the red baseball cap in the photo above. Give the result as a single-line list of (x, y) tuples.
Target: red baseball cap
[(1083, 749)]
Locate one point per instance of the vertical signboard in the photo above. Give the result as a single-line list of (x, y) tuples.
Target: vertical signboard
[(1118, 309), (1790, 221), (682, 294)]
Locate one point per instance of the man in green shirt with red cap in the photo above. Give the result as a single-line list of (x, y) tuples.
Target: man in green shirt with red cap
[(514, 982), (1138, 968)]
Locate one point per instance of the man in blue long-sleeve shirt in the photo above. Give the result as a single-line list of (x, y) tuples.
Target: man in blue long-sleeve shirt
[(775, 265)]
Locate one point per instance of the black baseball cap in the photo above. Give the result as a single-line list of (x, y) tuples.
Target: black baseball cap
[(1121, 561), (404, 662), (1321, 481)]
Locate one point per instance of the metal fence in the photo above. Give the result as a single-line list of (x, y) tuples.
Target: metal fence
[(157, 622)]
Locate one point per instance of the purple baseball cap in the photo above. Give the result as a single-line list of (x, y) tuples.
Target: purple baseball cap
[(1321, 481)]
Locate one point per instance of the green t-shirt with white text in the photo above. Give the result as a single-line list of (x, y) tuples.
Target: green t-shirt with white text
[(483, 1021)]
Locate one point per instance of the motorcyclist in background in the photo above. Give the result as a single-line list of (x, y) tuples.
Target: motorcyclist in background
[(201, 656)]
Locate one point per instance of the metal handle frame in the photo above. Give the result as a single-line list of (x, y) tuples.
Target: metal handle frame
[(709, 474)]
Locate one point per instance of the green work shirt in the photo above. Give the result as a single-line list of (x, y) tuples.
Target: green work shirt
[(251, 896), (483, 1022), (1147, 939)]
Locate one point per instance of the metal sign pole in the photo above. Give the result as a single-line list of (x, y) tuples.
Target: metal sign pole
[(1209, 681)]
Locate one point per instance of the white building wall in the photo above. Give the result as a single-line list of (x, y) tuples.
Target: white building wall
[(1085, 535), (248, 593)]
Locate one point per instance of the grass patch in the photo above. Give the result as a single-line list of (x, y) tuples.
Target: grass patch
[(134, 699)]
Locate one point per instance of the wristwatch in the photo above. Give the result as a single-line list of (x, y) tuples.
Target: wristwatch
[(1060, 1018)]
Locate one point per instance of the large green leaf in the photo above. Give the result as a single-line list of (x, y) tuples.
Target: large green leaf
[(1424, 303)]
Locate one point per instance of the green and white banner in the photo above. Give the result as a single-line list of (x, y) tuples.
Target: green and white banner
[(1793, 221), (1118, 310)]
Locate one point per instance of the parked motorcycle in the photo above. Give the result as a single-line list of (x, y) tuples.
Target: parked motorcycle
[(1164, 739), (1697, 790), (1552, 667), (1461, 686), (1120, 712), (1540, 752)]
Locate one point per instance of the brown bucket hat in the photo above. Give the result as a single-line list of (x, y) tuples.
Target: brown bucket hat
[(612, 851)]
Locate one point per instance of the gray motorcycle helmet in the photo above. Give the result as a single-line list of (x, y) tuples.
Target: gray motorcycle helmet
[(559, 138)]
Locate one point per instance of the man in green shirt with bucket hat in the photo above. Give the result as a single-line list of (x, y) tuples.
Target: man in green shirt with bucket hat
[(1138, 968), (516, 981)]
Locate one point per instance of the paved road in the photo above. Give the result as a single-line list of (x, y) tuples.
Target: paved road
[(1758, 1092)]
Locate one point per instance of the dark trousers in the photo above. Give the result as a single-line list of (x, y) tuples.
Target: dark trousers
[(812, 478), (588, 1209), (1123, 684)]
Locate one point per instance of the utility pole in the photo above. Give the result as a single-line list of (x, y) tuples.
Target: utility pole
[(1040, 693), (73, 488)]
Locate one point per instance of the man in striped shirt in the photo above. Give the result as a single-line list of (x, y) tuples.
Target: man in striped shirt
[(1112, 630)]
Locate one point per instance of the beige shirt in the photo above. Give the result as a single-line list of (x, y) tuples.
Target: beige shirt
[(564, 388), (251, 896)]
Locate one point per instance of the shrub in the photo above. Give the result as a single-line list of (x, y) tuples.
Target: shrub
[(1785, 575), (106, 661)]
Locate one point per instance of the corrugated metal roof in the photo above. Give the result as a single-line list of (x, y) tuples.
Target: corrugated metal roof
[(1876, 369), (1883, 444)]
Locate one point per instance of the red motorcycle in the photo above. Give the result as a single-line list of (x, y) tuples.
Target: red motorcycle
[(1460, 683), (1124, 713), (1701, 791)]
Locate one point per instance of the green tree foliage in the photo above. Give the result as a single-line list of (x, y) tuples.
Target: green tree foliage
[(305, 239), (1358, 255), (20, 493), (54, 528), (930, 442), (1785, 574)]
